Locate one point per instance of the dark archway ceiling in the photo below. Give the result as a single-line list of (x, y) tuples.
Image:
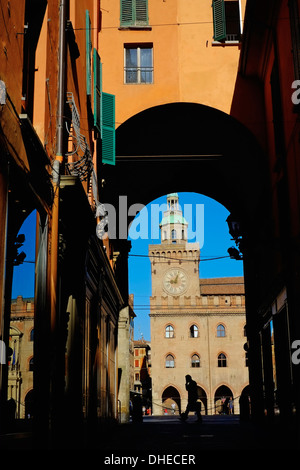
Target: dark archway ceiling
[(185, 147)]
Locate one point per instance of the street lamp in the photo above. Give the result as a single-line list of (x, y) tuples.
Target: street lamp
[(236, 232)]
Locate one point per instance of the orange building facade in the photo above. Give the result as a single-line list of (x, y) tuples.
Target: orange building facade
[(53, 143), (267, 86), (176, 42)]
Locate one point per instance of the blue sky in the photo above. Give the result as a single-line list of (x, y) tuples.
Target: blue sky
[(216, 242), (213, 234), (23, 279)]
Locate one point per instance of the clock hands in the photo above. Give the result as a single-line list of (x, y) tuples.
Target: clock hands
[(174, 281)]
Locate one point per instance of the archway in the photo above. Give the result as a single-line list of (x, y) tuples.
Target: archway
[(185, 147), (171, 402), (221, 398), (188, 147)]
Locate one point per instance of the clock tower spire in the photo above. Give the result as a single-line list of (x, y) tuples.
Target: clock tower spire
[(173, 226)]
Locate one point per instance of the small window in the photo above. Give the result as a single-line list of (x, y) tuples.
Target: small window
[(194, 331), (195, 361), (169, 332), (31, 365), (170, 361), (226, 20), (221, 331), (173, 233), (222, 360), (138, 64)]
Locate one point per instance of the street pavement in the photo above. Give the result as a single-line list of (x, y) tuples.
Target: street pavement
[(168, 434), (165, 436)]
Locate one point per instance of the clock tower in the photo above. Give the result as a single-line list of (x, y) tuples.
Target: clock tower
[(197, 326), (174, 263)]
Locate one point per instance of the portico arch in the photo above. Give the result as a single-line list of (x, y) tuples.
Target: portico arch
[(171, 401), (186, 147), (189, 147)]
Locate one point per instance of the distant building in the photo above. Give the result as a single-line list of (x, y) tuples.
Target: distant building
[(125, 360), (197, 326), (142, 371), (21, 363)]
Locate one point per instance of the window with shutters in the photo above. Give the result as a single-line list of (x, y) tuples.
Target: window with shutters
[(138, 62), (104, 114), (134, 13), (227, 21), (108, 129), (97, 76)]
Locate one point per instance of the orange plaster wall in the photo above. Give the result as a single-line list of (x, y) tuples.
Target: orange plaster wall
[(188, 67)]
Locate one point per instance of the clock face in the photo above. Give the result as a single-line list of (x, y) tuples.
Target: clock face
[(175, 281)]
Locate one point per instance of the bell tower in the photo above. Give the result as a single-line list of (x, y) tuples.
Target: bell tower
[(173, 226)]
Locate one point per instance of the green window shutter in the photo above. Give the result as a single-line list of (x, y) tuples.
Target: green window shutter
[(127, 18), (134, 13), (108, 129), (88, 47), (97, 66), (219, 20), (141, 11)]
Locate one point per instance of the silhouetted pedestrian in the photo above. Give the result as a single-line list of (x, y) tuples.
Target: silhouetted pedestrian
[(193, 404)]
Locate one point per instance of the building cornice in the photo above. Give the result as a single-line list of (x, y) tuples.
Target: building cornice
[(204, 313)]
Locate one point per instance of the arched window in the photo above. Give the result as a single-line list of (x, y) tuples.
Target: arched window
[(195, 360), (194, 331), (31, 364), (173, 234), (221, 331), (222, 360), (32, 335), (170, 361), (169, 332)]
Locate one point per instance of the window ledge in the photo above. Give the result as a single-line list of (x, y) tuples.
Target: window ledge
[(134, 28), (225, 43)]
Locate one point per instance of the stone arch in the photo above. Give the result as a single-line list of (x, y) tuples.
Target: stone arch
[(171, 400), (222, 394)]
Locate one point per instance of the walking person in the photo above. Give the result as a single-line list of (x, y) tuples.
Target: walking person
[(231, 406), (193, 404)]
